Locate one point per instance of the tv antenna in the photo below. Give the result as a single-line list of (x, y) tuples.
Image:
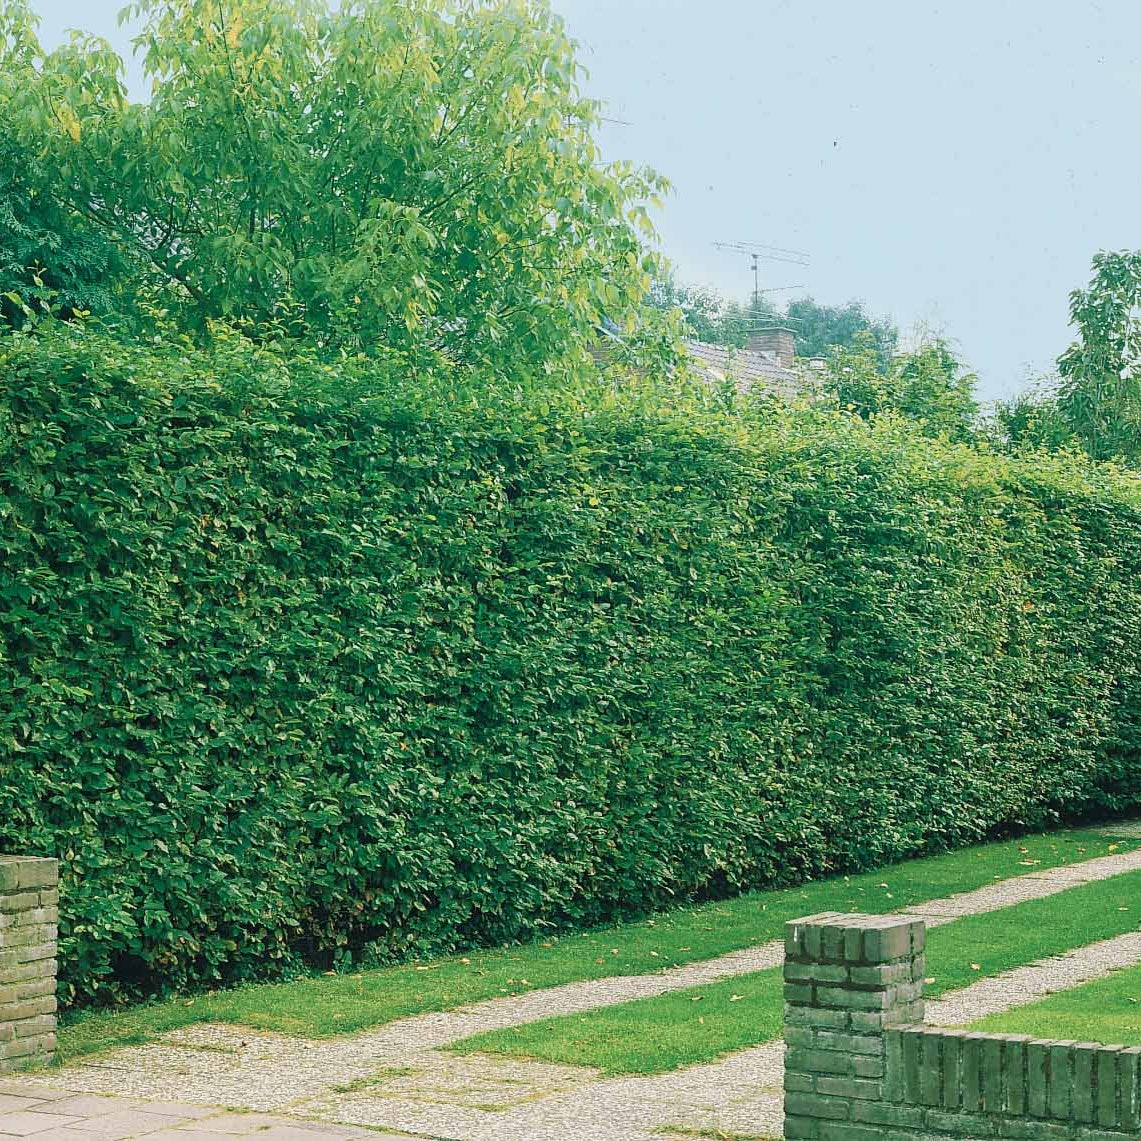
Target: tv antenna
[(760, 251)]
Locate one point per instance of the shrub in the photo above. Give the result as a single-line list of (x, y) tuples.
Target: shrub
[(294, 664)]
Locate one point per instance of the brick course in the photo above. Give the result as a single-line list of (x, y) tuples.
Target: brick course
[(29, 914), (860, 1064)]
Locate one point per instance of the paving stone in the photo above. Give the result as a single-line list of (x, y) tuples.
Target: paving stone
[(24, 1123), (87, 1105), (124, 1123), (10, 1103)]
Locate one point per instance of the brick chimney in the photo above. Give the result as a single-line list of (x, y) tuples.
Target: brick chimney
[(776, 343)]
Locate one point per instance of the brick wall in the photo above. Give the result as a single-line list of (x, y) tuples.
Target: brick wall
[(859, 1064), (29, 914)]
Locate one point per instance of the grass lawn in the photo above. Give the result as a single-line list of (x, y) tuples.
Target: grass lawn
[(326, 1005), (1107, 1011), (699, 1024)]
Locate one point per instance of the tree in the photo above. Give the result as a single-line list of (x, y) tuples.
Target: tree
[(706, 315), (821, 328), (1094, 403), (1099, 397), (928, 386), (50, 258), (400, 172)]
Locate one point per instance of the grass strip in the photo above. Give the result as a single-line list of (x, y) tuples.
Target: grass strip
[(699, 1024), (1106, 1010), (325, 1005)]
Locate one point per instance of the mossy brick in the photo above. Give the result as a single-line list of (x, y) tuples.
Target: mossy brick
[(912, 1043), (894, 938), (1015, 1093), (1032, 1130), (14, 1012), (37, 988), (875, 1021), (867, 1066), (38, 872), (832, 942), (49, 897), (882, 1113), (800, 1015), (28, 935), (931, 1077), (848, 999), (970, 1125), (993, 1064), (883, 974), (861, 1089), (1093, 1133), (36, 952), (1061, 1096), (25, 1046), (852, 1043), (20, 901), (893, 1066), (853, 944), (1037, 1077), (1129, 1088), (816, 1105), (846, 1131), (1105, 1109), (801, 1128), (972, 1061), (803, 1036), (799, 994), (35, 1027), (799, 1083), (817, 1061), (802, 937), (952, 1075), (815, 972), (1085, 1069)]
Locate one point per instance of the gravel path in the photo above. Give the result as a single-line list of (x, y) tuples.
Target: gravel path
[(397, 1078), (1034, 981)]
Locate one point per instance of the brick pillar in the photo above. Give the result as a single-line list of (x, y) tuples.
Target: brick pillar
[(29, 914), (847, 979)]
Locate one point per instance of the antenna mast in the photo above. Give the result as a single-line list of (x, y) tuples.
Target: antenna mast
[(760, 251)]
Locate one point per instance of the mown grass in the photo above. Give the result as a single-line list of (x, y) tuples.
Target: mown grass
[(326, 1005), (1107, 1011), (699, 1024)]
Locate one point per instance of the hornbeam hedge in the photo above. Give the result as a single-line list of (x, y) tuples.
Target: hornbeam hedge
[(295, 663)]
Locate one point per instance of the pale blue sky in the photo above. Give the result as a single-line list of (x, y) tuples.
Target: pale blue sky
[(956, 163)]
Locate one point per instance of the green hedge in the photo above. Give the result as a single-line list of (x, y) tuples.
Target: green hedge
[(293, 664)]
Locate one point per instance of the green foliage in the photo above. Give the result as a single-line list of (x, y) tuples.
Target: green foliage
[(821, 329), (365, 174), (50, 258), (928, 386), (1094, 403), (706, 315), (1100, 392), (295, 661)]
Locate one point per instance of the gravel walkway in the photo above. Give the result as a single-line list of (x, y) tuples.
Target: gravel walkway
[(1034, 981), (396, 1077)]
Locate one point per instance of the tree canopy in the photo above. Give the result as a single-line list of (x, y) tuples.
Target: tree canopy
[(1094, 403), (929, 386), (821, 328), (382, 172)]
